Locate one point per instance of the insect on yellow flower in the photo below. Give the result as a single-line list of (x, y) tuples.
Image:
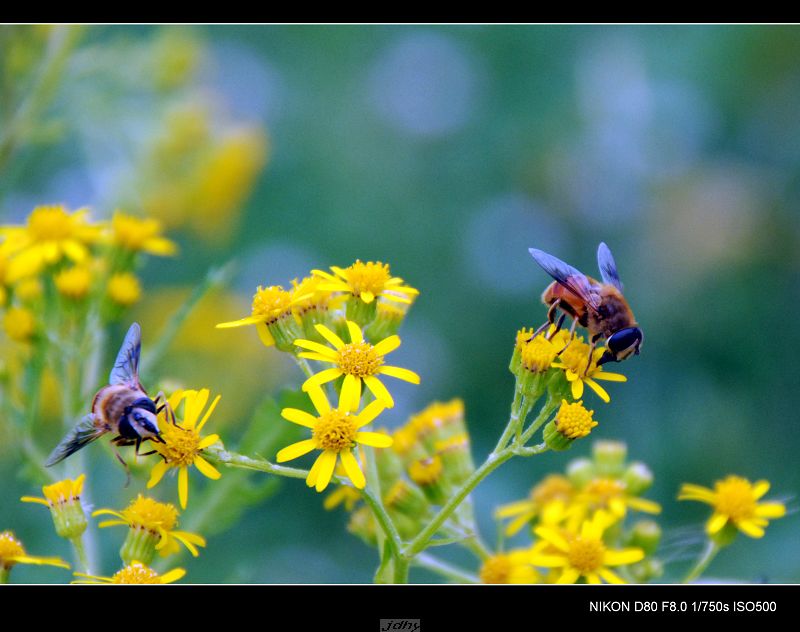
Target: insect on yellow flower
[(133, 573), (335, 431), (154, 522), (735, 501), (574, 360), (183, 445), (582, 554), (359, 361)]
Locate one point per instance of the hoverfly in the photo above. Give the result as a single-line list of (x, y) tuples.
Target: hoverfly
[(599, 307), (122, 407)]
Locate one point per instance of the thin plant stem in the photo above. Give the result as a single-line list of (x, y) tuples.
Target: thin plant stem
[(80, 553), (445, 569), (706, 557)]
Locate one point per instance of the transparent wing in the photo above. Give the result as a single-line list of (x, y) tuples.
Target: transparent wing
[(82, 434), (126, 366), (571, 278), (608, 268)]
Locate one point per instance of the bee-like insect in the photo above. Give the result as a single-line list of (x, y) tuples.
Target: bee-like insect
[(122, 407), (599, 307)]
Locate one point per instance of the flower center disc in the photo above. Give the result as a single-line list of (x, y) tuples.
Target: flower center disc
[(359, 359), (496, 570), (180, 447), (586, 555), (335, 431), (9, 547), (271, 302), (49, 224), (367, 277), (136, 574), (735, 499)]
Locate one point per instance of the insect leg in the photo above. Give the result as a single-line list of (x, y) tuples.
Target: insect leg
[(551, 319), (559, 324), (125, 465), (592, 347), (571, 335)]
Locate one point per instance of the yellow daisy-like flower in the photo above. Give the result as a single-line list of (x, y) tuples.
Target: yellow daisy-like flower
[(64, 501), (310, 295), (367, 281), (574, 360), (183, 445), (124, 289), (513, 567), (50, 235), (342, 495), (270, 304), (359, 361), (12, 552), (548, 501), (735, 501), (157, 519), (134, 573), (582, 554), (74, 282), (136, 234), (609, 496), (19, 324), (336, 431)]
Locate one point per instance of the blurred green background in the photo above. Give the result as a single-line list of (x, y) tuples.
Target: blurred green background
[(448, 152)]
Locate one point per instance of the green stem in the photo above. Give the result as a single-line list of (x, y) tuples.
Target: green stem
[(4, 573), (709, 553), (513, 420), (304, 366), (445, 569), (544, 414), (401, 568), (495, 460), (80, 554)]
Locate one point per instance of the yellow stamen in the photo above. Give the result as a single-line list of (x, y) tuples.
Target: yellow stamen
[(335, 431), (358, 359)]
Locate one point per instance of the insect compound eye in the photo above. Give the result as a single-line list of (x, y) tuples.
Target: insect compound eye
[(625, 341)]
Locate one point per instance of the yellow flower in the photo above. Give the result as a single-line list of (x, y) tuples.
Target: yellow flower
[(735, 501), (140, 235), (270, 305), (574, 360), (12, 552), (336, 431), (571, 422), (19, 323), (64, 500), (50, 235), (183, 443), (134, 573), (342, 495), (74, 282), (548, 501), (124, 289), (610, 496), (152, 518), (538, 354), (367, 281), (311, 295), (28, 290), (582, 554), (513, 567), (359, 361)]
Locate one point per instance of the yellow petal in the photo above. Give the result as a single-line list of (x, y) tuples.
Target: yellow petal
[(265, 335), (172, 576), (331, 337), (250, 320), (316, 347), (208, 413), (33, 499), (750, 528), (577, 389), (610, 576), (601, 392), (375, 439), (311, 479), (296, 449), (322, 377), (569, 576), (319, 399), (355, 332), (387, 345), (350, 397), (353, 470), (399, 373), (379, 390), (157, 473), (183, 486), (759, 489), (609, 377), (553, 536), (207, 441), (206, 469), (367, 297), (300, 417), (326, 468), (370, 412), (770, 510), (623, 556), (715, 523)]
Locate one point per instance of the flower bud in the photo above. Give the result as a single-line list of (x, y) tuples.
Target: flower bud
[(646, 535), (609, 457), (572, 421), (64, 500), (429, 475), (638, 478)]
